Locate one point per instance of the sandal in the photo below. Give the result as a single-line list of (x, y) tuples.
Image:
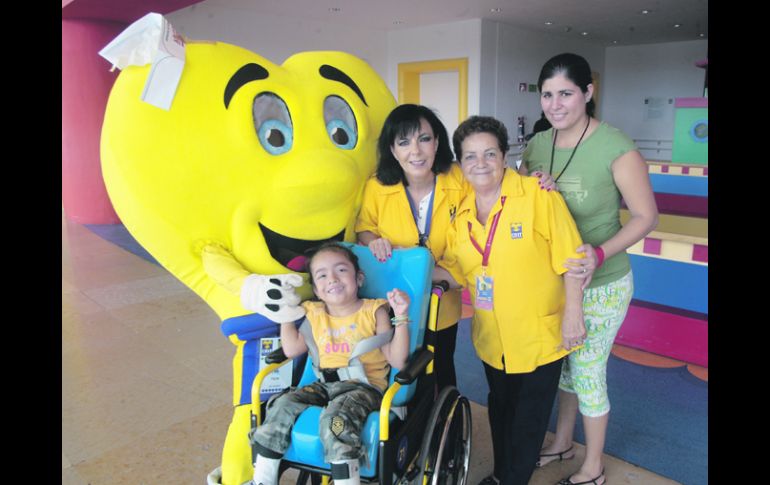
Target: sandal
[(593, 481), (560, 457)]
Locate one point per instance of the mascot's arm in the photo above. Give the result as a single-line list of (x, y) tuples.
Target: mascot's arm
[(222, 267), (273, 296)]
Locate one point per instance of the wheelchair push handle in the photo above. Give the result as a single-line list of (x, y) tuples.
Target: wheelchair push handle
[(440, 287)]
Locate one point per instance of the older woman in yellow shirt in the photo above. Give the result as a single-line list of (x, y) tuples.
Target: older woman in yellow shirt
[(508, 245), (410, 201)]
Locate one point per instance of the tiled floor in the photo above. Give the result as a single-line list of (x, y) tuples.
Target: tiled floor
[(146, 378)]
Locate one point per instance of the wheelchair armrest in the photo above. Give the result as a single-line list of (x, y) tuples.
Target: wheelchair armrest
[(414, 368), (278, 359), (276, 356)]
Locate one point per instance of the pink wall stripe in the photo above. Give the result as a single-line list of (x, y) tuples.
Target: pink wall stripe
[(700, 253), (691, 103), (86, 83), (652, 245), (681, 205), (662, 333)]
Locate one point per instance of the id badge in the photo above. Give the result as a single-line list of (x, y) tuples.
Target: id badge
[(484, 291)]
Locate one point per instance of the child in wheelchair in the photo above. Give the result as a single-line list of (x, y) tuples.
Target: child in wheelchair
[(334, 328)]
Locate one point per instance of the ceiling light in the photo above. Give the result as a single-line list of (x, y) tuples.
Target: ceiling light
[(335, 9), (676, 26), (584, 33), (614, 41), (549, 23), (645, 11), (495, 10), (701, 35)]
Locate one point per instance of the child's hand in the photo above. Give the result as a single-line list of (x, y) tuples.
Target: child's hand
[(399, 302)]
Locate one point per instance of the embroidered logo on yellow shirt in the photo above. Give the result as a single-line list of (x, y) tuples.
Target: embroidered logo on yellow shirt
[(516, 231)]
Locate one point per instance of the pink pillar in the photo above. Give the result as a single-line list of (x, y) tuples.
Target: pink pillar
[(86, 84)]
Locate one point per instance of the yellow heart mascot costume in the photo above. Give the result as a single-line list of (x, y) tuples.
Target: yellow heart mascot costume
[(252, 164)]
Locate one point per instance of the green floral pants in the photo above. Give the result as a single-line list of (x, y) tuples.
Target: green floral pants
[(585, 370)]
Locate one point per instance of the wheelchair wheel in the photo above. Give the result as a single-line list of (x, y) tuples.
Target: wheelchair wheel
[(445, 452)]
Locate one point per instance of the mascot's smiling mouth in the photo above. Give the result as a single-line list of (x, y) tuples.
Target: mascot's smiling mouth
[(290, 252)]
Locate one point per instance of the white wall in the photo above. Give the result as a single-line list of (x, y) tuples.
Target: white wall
[(500, 57), (511, 56), (438, 91), (277, 38), (434, 42), (634, 73)]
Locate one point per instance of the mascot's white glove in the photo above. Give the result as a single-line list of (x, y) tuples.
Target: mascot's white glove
[(273, 296)]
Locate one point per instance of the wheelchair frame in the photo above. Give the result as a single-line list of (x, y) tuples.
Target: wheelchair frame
[(437, 423)]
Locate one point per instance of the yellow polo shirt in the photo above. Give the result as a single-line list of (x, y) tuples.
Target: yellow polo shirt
[(535, 236), (385, 211)]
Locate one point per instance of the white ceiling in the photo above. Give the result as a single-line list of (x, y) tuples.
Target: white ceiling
[(607, 22)]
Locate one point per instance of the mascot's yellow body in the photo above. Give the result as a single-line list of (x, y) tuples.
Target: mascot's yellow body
[(255, 160)]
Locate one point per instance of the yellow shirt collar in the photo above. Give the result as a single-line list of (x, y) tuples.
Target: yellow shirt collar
[(511, 187)]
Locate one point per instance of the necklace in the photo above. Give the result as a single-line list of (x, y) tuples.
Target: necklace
[(553, 148)]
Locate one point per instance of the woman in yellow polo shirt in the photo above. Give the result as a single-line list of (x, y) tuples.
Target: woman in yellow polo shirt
[(410, 201), (508, 245)]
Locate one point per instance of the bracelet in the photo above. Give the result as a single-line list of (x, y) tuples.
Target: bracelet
[(600, 255), (398, 321)]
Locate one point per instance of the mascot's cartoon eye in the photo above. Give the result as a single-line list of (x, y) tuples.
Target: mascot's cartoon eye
[(340, 123), (273, 123)]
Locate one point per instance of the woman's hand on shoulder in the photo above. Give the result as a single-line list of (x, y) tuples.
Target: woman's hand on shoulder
[(545, 180)]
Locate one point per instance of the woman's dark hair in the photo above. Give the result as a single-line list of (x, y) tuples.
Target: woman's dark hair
[(480, 124), (329, 246), (575, 68), (401, 122)]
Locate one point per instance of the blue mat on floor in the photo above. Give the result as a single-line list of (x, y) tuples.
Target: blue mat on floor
[(119, 236), (659, 417)]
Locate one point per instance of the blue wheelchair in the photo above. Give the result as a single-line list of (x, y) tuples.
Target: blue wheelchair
[(417, 436)]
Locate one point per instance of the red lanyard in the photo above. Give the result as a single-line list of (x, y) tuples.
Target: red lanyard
[(488, 248)]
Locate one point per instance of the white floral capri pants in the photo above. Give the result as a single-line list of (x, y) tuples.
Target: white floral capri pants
[(585, 370)]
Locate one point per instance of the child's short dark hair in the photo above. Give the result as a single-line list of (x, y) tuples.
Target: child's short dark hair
[(333, 247)]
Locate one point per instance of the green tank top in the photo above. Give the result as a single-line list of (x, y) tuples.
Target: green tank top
[(588, 188)]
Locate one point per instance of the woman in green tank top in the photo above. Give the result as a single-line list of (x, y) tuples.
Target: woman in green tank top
[(594, 166)]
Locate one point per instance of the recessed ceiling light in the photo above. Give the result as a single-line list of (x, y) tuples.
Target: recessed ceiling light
[(549, 23), (335, 9), (701, 35), (676, 26), (495, 10), (645, 11), (584, 33), (614, 41)]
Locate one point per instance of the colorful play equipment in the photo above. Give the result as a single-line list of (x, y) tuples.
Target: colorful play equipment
[(669, 313), (261, 160)]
